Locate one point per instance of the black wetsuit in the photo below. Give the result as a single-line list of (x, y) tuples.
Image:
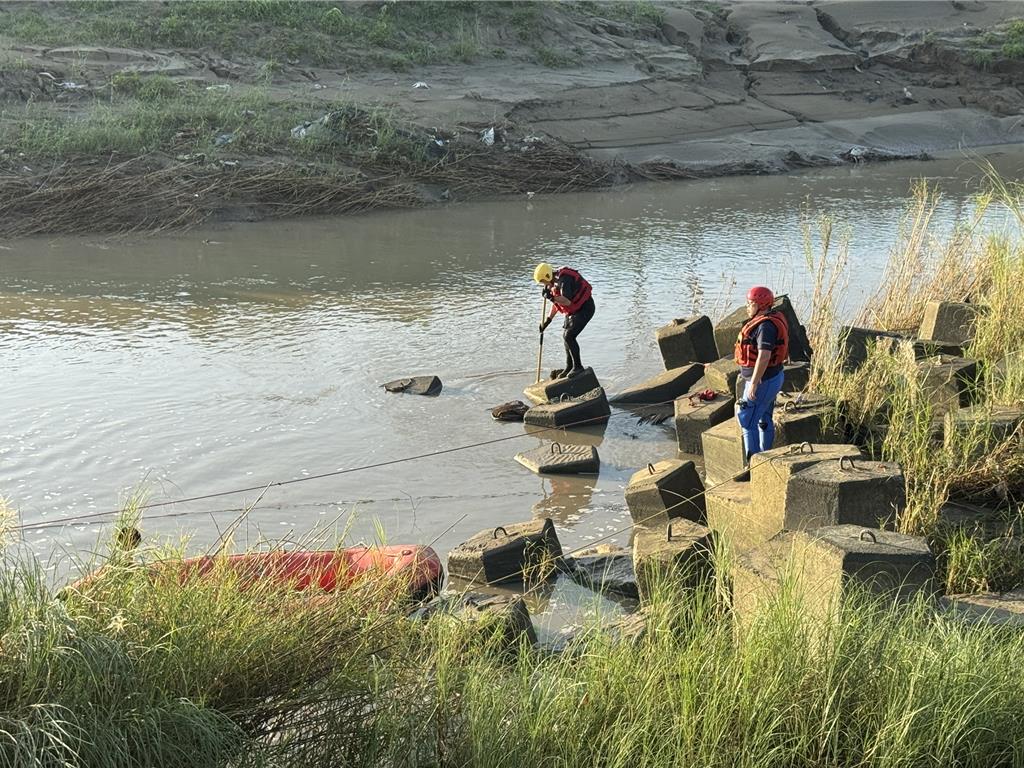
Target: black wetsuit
[(574, 323)]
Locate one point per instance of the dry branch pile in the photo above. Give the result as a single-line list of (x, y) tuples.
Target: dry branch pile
[(151, 193)]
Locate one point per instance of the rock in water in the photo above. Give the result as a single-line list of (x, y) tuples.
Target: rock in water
[(415, 385)]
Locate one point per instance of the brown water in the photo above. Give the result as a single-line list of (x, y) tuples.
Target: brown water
[(234, 358)]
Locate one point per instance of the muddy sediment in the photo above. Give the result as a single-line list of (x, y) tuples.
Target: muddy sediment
[(688, 90)]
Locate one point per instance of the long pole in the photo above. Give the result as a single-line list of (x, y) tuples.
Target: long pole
[(543, 317)]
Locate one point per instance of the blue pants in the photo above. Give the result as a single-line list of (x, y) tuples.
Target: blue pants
[(755, 416)]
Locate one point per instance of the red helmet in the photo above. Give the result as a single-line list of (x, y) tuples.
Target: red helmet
[(761, 296)]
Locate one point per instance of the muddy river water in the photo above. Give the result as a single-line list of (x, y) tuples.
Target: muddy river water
[(240, 356)]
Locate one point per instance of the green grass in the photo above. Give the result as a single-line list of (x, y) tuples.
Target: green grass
[(139, 668), (152, 113)]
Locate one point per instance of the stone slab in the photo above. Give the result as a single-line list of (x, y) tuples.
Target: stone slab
[(687, 340), (663, 388), (415, 385), (590, 408), (666, 490), (948, 321), (693, 416), (681, 551), (553, 389), (845, 491), (505, 553), (558, 459), (770, 473)]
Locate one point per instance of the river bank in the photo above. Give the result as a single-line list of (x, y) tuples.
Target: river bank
[(138, 117)]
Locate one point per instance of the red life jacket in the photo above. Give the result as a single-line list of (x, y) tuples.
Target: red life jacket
[(583, 291), (746, 347)]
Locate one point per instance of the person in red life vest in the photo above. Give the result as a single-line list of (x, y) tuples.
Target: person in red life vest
[(570, 295), (761, 348)]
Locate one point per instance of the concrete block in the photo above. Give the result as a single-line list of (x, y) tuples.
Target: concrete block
[(731, 516), (605, 569), (505, 617), (724, 457), (666, 490), (806, 417), (664, 387), (728, 328), (987, 608), (415, 385), (552, 390), (986, 423), (818, 568), (722, 375), (506, 553), (855, 342), (845, 491), (558, 459), (924, 348), (796, 377), (949, 383), (948, 321), (687, 341), (681, 551), (693, 416), (770, 473), (590, 408)]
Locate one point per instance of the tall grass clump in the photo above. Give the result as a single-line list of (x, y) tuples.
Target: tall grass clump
[(884, 402), (151, 666), (887, 686)]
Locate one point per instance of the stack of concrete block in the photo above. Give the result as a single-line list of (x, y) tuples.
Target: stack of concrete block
[(585, 410), (680, 552), (663, 388), (552, 390), (687, 341), (507, 553), (798, 418), (666, 490)]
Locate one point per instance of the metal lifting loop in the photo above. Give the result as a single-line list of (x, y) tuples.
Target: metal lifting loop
[(556, 448), (650, 468), (502, 529), (805, 444), (668, 532), (869, 536), (844, 459), (790, 405)]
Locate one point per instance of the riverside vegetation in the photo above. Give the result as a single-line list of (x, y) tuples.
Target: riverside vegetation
[(133, 670)]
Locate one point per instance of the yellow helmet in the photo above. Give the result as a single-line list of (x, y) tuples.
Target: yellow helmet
[(544, 273)]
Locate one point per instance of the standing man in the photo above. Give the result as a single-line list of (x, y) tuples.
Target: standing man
[(761, 348), (569, 294)]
